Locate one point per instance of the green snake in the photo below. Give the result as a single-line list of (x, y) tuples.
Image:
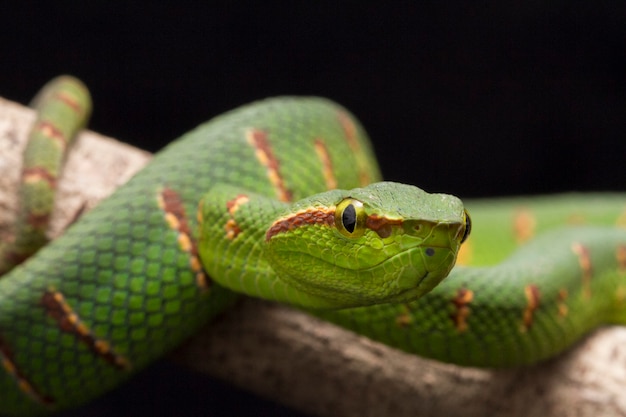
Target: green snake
[(281, 199)]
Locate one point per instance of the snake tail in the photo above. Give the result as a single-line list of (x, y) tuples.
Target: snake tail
[(63, 107)]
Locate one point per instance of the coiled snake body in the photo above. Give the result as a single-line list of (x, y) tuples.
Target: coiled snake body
[(240, 205)]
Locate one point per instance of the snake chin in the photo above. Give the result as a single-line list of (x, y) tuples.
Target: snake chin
[(420, 273)]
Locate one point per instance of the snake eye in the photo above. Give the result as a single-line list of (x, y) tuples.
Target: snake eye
[(350, 218), (468, 226)]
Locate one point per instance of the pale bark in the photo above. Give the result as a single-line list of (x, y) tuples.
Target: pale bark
[(316, 367)]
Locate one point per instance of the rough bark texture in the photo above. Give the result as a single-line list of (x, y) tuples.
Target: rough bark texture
[(316, 367)]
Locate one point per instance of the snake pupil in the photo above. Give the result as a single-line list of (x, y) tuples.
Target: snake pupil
[(348, 218)]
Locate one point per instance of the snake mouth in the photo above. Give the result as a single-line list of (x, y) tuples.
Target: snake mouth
[(413, 269), (425, 268), (413, 293)]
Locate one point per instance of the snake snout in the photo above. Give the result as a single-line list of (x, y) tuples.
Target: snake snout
[(440, 248)]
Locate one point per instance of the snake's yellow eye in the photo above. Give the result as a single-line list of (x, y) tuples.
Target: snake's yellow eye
[(468, 226), (350, 218)]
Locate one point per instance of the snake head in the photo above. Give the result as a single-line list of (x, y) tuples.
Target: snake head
[(383, 243)]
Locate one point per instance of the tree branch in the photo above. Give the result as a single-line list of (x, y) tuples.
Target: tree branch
[(314, 366)]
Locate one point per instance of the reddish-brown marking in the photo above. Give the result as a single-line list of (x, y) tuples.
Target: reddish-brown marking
[(172, 205), (50, 131), (576, 219), (263, 150), (69, 322), (462, 310), (35, 174), (232, 228), (524, 224), (312, 216), (233, 205), (381, 225), (69, 101), (562, 302), (621, 220), (533, 298), (38, 221), (327, 164), (404, 319), (350, 133), (8, 363), (584, 260)]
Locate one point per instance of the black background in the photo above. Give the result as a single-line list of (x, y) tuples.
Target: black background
[(470, 98)]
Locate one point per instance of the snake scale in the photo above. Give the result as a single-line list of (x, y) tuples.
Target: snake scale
[(282, 199)]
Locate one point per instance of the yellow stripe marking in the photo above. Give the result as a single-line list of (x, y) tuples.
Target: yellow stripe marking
[(327, 165), (258, 139), (404, 319), (462, 310), (50, 131), (231, 227), (524, 225), (68, 321), (351, 135), (533, 298), (37, 174), (174, 213), (172, 221), (8, 363)]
